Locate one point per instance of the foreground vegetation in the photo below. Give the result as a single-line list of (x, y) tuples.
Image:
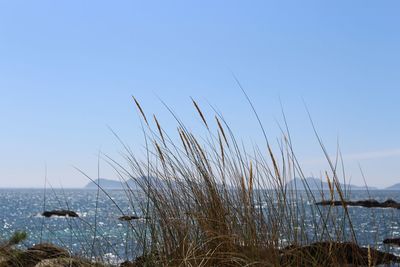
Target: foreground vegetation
[(214, 203)]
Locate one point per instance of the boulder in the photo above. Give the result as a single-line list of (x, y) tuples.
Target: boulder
[(128, 218), (34, 255), (335, 254), (392, 241), (131, 218), (61, 213), (65, 262), (369, 203), (51, 251)]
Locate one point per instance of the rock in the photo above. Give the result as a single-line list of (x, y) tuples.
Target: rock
[(128, 218), (131, 218), (326, 254), (138, 262), (369, 203), (62, 213), (65, 262), (23, 258), (43, 255), (128, 264), (34, 255), (392, 241), (390, 202), (51, 251), (335, 254)]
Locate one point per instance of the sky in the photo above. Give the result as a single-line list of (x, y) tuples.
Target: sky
[(68, 70)]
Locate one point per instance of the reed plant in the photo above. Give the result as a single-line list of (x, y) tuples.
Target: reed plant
[(207, 200)]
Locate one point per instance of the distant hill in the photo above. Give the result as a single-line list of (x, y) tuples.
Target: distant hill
[(317, 184), (119, 185), (110, 184), (393, 187), (313, 183)]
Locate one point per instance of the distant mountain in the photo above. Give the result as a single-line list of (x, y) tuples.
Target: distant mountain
[(393, 187), (119, 185), (313, 183), (318, 184), (110, 184)]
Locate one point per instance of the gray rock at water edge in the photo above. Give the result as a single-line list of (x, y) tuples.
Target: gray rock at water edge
[(60, 213)]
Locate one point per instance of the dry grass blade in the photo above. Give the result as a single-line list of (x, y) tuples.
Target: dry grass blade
[(200, 113), (250, 187), (160, 152), (183, 139), (216, 205), (331, 188), (140, 109), (159, 129), (221, 147), (222, 130)]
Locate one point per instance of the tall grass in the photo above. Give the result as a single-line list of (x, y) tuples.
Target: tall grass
[(208, 201)]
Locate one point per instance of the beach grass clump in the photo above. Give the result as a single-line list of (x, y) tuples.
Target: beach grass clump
[(209, 201)]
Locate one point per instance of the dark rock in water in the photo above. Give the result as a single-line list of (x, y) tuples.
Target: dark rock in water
[(61, 213), (390, 201), (335, 254), (128, 218), (131, 218), (392, 241), (369, 203)]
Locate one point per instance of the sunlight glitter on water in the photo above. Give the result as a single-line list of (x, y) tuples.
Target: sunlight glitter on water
[(21, 211)]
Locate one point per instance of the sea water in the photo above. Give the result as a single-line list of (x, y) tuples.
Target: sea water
[(99, 233)]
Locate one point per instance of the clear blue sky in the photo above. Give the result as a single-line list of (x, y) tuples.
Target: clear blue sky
[(68, 69)]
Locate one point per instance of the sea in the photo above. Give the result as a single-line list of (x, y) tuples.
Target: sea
[(98, 232)]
